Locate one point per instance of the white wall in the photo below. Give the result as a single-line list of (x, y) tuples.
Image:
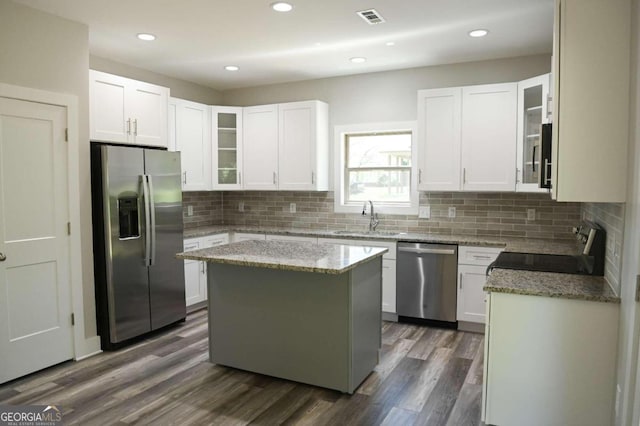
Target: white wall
[(629, 412), (45, 52), (179, 88)]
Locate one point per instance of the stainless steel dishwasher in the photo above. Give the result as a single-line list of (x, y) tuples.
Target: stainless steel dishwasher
[(426, 281)]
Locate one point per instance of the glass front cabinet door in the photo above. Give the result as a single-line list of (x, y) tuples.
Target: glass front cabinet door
[(533, 111), (226, 131)]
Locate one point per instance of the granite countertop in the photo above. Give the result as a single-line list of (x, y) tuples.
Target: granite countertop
[(549, 284), (288, 255), (521, 245)]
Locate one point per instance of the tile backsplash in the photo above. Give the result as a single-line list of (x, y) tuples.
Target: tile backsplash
[(611, 217), (481, 214), (207, 208)]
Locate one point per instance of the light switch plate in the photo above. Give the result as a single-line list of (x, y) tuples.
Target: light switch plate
[(452, 212), (189, 210), (292, 207), (424, 212), (241, 206)]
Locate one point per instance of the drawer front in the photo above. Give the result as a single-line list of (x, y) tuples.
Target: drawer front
[(192, 244), (390, 255), (215, 240), (482, 256)]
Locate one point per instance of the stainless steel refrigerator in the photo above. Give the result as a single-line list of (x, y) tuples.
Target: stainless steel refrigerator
[(137, 230)]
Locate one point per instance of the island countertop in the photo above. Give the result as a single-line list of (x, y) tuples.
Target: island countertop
[(288, 255), (549, 284)]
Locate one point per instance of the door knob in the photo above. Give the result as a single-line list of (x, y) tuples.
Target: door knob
[(2, 257)]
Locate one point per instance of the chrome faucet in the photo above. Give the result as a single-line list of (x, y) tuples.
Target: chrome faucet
[(373, 220)]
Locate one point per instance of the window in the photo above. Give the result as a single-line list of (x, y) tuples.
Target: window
[(376, 162)]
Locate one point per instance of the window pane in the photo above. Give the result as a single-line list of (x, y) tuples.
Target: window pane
[(380, 185), (379, 150)]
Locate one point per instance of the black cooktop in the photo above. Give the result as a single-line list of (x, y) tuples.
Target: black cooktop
[(565, 264)]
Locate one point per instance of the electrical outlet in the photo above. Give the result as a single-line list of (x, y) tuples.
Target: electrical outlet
[(189, 210), (424, 212), (292, 207), (452, 212), (531, 214), (241, 206)]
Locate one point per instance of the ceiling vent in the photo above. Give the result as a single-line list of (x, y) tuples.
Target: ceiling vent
[(371, 16)]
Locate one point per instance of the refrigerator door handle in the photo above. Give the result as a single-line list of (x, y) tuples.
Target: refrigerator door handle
[(152, 214), (147, 221)]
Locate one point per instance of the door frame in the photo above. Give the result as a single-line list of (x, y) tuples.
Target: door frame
[(83, 346)]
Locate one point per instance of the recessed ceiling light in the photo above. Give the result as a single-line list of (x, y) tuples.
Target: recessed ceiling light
[(478, 33), (358, 60), (390, 43), (281, 6), (146, 37), (232, 68)]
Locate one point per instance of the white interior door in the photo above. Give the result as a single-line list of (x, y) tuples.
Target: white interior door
[(35, 302)]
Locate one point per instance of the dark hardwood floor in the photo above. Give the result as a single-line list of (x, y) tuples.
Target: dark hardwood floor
[(427, 376)]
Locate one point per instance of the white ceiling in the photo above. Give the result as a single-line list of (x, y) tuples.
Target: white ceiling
[(197, 38)]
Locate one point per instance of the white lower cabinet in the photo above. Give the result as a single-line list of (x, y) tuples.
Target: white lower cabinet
[(195, 272), (388, 268), (472, 268), (549, 361)]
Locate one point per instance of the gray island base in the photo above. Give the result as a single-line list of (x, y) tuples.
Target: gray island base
[(315, 319)]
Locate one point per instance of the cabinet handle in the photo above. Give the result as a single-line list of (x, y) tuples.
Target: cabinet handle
[(549, 103), (239, 178), (313, 178), (135, 127), (481, 257), (274, 178), (464, 175), (129, 126), (419, 175), (517, 175), (460, 280), (203, 266), (547, 166), (184, 177)]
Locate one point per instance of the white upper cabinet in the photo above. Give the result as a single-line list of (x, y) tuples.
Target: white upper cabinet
[(227, 145), (260, 147), (489, 116), (439, 116), (467, 138), (127, 111), (591, 100), (533, 95), (190, 133), (303, 146), (286, 147)]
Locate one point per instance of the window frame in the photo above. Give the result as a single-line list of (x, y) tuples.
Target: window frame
[(340, 178)]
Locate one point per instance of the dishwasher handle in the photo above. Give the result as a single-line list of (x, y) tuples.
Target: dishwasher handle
[(426, 251)]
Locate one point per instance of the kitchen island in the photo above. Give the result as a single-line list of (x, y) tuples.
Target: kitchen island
[(295, 310)]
